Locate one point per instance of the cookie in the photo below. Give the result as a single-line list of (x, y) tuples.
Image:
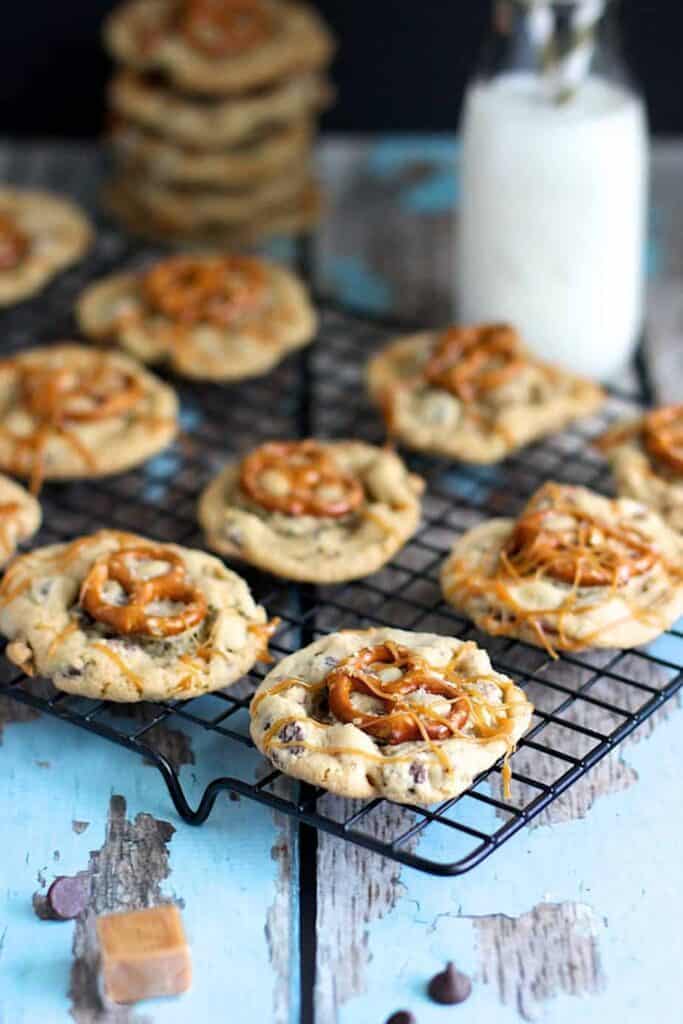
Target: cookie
[(20, 517), (413, 717), (259, 159), (212, 317), (646, 456), (123, 618), (214, 124), (40, 234), (575, 570), (188, 210), (316, 511), (68, 411), (473, 393), (214, 48), (284, 220)]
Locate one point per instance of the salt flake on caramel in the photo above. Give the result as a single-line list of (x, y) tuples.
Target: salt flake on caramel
[(134, 616), (313, 482)]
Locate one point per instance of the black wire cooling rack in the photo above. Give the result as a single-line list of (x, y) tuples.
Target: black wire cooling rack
[(585, 705)]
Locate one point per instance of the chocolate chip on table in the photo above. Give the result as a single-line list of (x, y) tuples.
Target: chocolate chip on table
[(449, 986), (68, 895), (402, 1017)]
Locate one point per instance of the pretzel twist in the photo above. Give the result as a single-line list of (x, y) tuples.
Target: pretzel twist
[(219, 291), (14, 243), (663, 435), (401, 721), (133, 617), (583, 551), (472, 361), (63, 395), (315, 485)]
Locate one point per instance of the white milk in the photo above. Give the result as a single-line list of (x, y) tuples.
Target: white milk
[(552, 225)]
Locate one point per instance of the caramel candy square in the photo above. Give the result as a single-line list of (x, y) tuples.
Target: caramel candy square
[(144, 954)]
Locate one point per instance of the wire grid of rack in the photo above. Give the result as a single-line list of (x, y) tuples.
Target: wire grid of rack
[(585, 704)]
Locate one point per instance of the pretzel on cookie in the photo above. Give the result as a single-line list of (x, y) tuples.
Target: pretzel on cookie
[(218, 291), (471, 361), (223, 28), (400, 721), (134, 616), (77, 395), (315, 485), (572, 546)]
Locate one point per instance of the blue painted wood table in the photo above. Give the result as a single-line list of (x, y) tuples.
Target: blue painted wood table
[(576, 918)]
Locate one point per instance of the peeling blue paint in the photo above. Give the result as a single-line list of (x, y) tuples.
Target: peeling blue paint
[(623, 861), (437, 190), (224, 873)]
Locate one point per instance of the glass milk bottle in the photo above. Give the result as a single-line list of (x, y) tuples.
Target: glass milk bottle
[(554, 186)]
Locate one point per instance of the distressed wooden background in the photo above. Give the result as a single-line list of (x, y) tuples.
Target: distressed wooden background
[(577, 919)]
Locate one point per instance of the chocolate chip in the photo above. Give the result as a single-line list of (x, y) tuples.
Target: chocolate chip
[(290, 733), (402, 1017), (449, 986), (68, 896), (418, 772)]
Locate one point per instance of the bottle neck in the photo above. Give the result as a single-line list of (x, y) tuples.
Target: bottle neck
[(560, 42)]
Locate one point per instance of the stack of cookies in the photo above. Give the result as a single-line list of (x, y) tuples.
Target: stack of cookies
[(214, 110)]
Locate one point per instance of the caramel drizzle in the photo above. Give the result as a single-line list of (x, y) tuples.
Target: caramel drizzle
[(121, 665), (489, 721), (263, 631), (58, 561), (663, 436), (633, 555), (660, 432), (220, 291), (8, 511), (60, 637), (51, 396), (198, 661)]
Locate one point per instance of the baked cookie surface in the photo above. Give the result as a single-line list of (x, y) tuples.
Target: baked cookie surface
[(262, 158), (207, 47), (315, 511), (413, 717), (119, 617), (575, 570), (214, 124), (40, 234), (212, 317), (473, 393), (185, 208), (646, 456), (20, 517), (142, 214), (69, 411)]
